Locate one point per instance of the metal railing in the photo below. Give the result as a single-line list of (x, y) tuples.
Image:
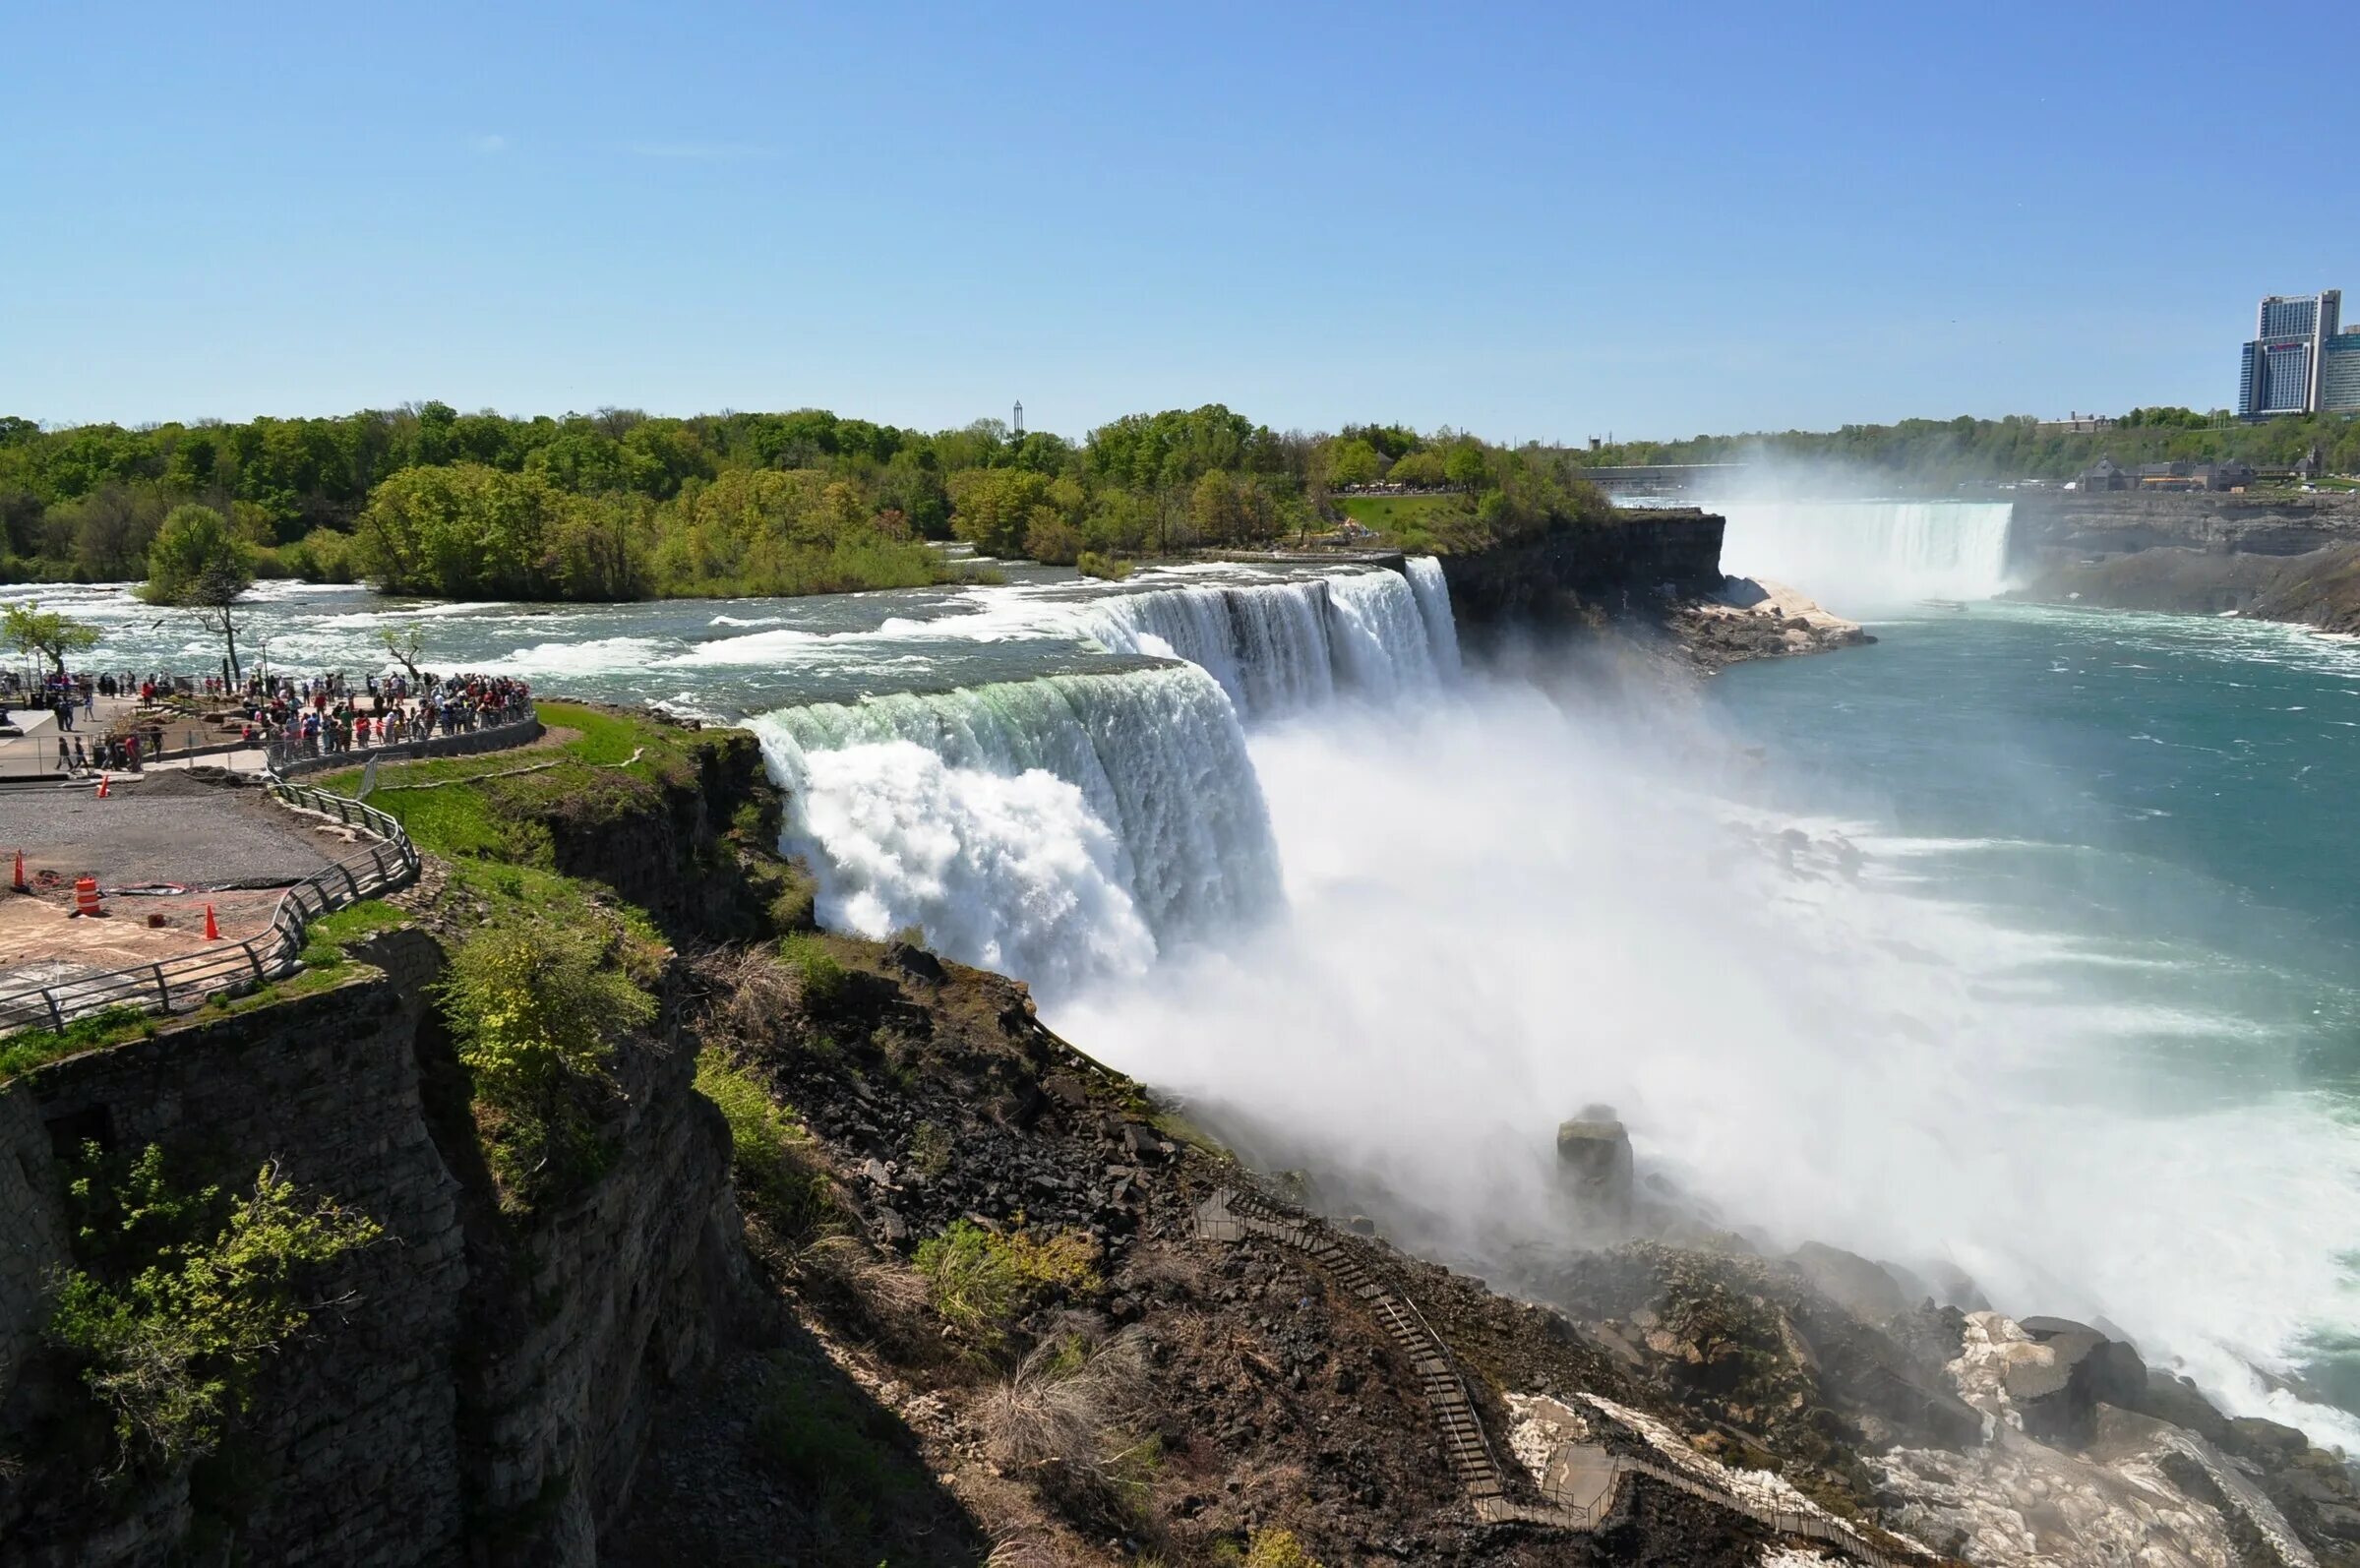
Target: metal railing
[(173, 985)]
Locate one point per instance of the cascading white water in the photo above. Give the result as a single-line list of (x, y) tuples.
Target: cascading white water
[(1059, 829), (1434, 603), (1856, 556), (1286, 647), (1499, 910)]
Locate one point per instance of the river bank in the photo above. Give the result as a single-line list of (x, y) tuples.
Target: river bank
[(2292, 557)]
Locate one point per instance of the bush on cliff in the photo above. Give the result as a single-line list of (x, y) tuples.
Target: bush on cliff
[(980, 1282), (537, 1011), (171, 1347), (778, 1183)]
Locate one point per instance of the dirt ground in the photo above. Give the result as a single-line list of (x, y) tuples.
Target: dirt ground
[(182, 843)]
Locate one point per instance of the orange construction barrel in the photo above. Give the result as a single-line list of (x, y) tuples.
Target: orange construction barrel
[(85, 896)]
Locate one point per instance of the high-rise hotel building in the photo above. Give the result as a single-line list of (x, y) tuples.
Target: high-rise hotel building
[(2299, 361)]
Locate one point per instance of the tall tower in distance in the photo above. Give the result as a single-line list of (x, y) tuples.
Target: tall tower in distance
[(1017, 427), (2280, 370)]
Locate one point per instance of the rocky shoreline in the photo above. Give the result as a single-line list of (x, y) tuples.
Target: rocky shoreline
[(2294, 559)]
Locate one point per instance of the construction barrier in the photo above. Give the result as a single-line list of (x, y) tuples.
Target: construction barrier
[(85, 896), (176, 985)]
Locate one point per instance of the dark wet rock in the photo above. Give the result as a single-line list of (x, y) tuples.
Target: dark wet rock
[(915, 961), (2059, 1401), (1861, 1288), (1594, 1161)]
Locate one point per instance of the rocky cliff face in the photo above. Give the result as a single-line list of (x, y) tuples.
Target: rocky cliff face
[(484, 1385), (2277, 558), (1584, 572)]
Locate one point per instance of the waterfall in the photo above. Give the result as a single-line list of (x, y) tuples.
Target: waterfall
[(1434, 603), (1284, 648), (1867, 554), (1058, 829), (1073, 827)]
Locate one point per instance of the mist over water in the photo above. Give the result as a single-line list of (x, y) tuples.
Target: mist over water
[(2076, 1012), (1825, 1017)]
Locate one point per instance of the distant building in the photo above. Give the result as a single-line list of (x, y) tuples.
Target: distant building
[(2186, 475), (2076, 425), (2104, 474), (2281, 369), (2340, 373)]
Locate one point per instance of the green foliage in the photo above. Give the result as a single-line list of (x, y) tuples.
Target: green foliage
[(980, 1282), (1947, 451), (931, 1150), (29, 1049), (171, 1347), (534, 1006), (32, 631), (1278, 1549), (1090, 563), (198, 561), (357, 922), (1351, 463), (778, 1180), (838, 1451), (824, 982), (537, 1010)]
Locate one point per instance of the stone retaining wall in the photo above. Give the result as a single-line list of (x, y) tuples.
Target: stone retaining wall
[(465, 743)]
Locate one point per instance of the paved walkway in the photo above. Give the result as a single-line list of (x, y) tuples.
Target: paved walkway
[(162, 848)]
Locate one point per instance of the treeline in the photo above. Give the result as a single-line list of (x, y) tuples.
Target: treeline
[(1950, 450), (622, 504)]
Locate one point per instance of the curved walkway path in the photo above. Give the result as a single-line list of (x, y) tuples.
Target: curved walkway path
[(1589, 1479)]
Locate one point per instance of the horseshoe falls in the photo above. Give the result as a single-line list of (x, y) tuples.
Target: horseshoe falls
[(1869, 556)]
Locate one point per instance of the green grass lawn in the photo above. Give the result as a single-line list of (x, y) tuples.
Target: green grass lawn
[(1420, 525)]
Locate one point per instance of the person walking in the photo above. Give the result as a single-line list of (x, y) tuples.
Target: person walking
[(65, 758)]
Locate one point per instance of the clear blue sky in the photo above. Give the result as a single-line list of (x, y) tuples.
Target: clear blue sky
[(1533, 221)]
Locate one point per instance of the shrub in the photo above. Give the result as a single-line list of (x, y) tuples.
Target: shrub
[(534, 1005), (537, 1011), (1090, 563), (1278, 1549), (172, 1351), (931, 1149), (981, 1281), (823, 981), (768, 1152)]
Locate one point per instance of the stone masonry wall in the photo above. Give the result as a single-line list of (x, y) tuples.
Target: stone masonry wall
[(482, 1386)]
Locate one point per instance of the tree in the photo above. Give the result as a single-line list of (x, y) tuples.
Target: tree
[(1465, 467), (1351, 463), (31, 630), (199, 564), (406, 645)]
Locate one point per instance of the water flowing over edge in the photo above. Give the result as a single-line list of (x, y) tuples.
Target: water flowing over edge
[(1871, 555)]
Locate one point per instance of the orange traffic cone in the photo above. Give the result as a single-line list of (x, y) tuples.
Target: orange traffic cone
[(102, 786), (20, 887), (213, 931)]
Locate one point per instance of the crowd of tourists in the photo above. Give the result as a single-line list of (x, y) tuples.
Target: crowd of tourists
[(325, 716), (293, 716)]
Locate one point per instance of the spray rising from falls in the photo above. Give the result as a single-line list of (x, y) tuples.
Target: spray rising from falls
[(1057, 829), (1075, 827), (1497, 911), (1869, 555)]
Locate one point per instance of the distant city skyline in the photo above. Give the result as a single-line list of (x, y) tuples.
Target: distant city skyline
[(1535, 224)]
